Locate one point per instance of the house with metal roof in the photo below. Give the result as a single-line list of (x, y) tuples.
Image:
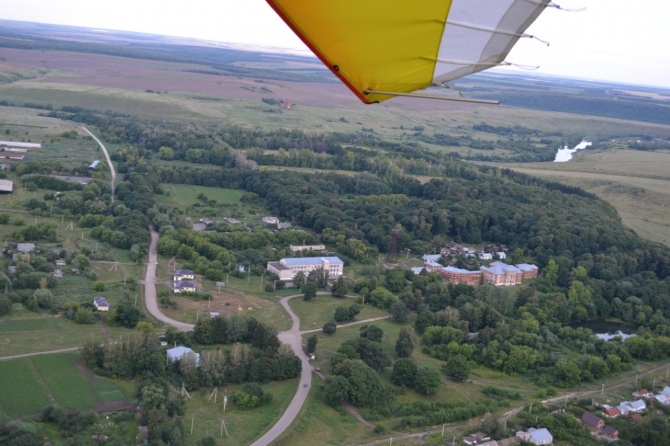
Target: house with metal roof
[(288, 268), (635, 406), (6, 186), (25, 247), (101, 303), (662, 399), (183, 274), (610, 432), (417, 269), (592, 421), (177, 353), (611, 412), (94, 165), (184, 287), (536, 436)]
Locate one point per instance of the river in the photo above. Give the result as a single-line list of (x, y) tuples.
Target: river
[(565, 154)]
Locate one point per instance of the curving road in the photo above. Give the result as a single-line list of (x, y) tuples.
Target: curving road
[(292, 337), (150, 287), (109, 160)]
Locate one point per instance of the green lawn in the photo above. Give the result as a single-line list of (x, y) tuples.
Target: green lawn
[(243, 426), (320, 310), (183, 195), (32, 334), (20, 393), (320, 424)]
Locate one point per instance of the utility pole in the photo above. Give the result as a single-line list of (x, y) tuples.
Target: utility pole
[(192, 418), (249, 273), (602, 390), (224, 427), (261, 286), (531, 407), (442, 429)]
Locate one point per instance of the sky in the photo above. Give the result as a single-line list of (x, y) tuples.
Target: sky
[(612, 40)]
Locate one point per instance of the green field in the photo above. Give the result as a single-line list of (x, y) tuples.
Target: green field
[(243, 425), (183, 195), (52, 379), (26, 333), (320, 310), (20, 393), (64, 381)]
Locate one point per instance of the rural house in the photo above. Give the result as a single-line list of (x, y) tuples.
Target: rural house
[(593, 422), (184, 287), (183, 274), (177, 353), (536, 436), (476, 438), (101, 304), (610, 432)]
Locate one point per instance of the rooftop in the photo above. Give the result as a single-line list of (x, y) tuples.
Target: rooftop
[(25, 247), (6, 186), (451, 269), (310, 260), (500, 268), (431, 257), (100, 301), (540, 434), (591, 419), (609, 430), (181, 284), (278, 266), (183, 272), (526, 267)]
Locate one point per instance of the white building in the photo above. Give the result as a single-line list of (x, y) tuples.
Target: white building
[(296, 248), (485, 256), (287, 269), (431, 257), (270, 220), (177, 353), (536, 436)]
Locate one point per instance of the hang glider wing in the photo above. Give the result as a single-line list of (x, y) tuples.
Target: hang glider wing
[(403, 46)]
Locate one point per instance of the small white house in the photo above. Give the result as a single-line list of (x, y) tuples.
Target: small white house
[(536, 436), (177, 353), (485, 256), (501, 255), (431, 257)]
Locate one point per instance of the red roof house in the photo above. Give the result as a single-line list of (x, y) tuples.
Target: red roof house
[(612, 412)]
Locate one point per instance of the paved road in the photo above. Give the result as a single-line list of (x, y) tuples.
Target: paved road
[(293, 338), (109, 160), (150, 288), (26, 355)]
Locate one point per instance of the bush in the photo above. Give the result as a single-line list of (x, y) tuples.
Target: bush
[(99, 286), (329, 328)]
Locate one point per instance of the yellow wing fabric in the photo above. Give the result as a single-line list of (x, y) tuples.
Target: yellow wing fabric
[(407, 45), (386, 45)]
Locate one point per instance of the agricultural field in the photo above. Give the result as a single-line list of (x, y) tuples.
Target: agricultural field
[(636, 183), (25, 125), (55, 379)]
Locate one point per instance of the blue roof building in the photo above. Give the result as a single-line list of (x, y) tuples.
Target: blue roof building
[(93, 165), (177, 353)]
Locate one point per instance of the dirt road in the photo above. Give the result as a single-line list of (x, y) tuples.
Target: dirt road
[(109, 160), (150, 288)]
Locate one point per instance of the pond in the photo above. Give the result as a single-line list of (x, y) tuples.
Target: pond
[(607, 330), (564, 155)]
